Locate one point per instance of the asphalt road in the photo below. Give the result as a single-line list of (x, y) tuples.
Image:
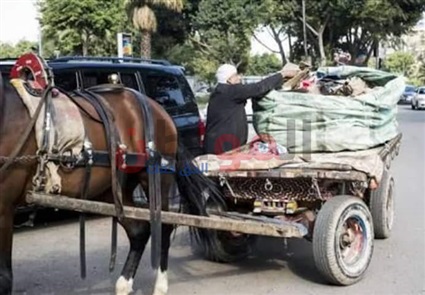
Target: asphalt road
[(46, 257)]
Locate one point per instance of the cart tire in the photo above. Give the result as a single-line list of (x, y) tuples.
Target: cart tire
[(342, 255), (382, 207), (221, 246)]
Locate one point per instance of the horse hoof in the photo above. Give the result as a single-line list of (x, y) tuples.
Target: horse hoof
[(161, 284), (123, 286)]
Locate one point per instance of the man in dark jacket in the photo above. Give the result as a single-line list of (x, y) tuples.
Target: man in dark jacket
[(227, 126)]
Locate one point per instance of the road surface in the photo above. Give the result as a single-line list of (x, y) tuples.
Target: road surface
[(46, 257)]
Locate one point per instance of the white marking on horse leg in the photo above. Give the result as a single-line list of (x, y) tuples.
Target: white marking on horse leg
[(161, 283), (123, 287)]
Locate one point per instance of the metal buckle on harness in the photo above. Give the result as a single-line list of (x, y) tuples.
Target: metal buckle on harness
[(122, 151), (88, 151)]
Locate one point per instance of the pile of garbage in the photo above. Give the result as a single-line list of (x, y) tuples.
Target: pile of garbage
[(343, 108)]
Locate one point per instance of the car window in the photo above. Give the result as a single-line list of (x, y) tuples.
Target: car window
[(410, 89), (421, 91), (5, 69), (66, 79), (5, 77), (165, 89), (93, 77)]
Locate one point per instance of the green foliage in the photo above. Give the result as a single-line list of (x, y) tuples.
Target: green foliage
[(207, 33), (400, 63), (171, 31), (220, 32), (261, 65), (223, 30), (83, 27), (7, 50), (421, 74)]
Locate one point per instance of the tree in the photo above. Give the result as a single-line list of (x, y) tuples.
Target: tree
[(9, 51), (82, 27), (222, 30), (360, 25), (400, 63), (261, 65), (276, 17), (144, 19), (353, 26), (421, 74)]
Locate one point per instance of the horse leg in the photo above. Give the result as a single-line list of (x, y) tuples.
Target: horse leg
[(6, 232), (161, 283), (138, 233)]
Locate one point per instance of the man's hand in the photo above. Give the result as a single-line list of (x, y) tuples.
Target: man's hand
[(290, 70), (287, 74)]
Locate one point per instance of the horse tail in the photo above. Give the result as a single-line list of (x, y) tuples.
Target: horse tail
[(196, 191), (194, 187)]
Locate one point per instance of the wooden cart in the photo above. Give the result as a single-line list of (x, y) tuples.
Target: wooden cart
[(331, 205)]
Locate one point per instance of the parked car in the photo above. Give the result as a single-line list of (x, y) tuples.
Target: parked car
[(407, 95), (158, 79), (418, 100)]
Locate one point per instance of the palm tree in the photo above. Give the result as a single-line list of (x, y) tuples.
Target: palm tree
[(144, 19)]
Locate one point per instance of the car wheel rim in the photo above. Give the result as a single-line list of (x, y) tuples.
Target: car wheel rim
[(354, 242)]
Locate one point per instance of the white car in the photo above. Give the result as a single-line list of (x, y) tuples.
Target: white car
[(418, 100)]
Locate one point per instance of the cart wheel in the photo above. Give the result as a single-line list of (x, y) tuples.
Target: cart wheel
[(225, 247), (343, 240), (382, 207), (222, 246)]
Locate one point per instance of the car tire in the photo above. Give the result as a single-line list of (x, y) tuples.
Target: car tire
[(382, 207), (341, 262), (221, 246)]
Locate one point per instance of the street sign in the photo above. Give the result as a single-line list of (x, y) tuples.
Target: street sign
[(124, 45)]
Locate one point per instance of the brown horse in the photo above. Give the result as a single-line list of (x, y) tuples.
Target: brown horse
[(14, 184)]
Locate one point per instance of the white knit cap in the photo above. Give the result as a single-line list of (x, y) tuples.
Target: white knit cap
[(224, 72)]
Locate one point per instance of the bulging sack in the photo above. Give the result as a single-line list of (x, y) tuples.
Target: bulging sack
[(305, 122)]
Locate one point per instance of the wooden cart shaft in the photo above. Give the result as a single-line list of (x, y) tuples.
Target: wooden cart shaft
[(283, 230)]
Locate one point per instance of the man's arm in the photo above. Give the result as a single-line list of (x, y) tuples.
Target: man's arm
[(241, 92)]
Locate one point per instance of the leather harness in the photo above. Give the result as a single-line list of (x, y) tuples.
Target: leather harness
[(89, 158)]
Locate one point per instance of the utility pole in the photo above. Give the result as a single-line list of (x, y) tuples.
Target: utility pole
[(40, 34), (304, 30)]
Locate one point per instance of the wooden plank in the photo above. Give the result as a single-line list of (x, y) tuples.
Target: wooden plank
[(287, 230)]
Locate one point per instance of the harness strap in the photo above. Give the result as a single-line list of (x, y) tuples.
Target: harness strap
[(101, 106), (88, 152), (155, 197)]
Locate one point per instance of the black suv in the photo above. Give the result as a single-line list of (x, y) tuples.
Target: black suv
[(158, 79)]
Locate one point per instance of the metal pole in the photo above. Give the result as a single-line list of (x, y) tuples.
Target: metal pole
[(304, 30), (40, 37)]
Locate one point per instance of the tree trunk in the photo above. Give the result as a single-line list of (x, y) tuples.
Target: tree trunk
[(276, 36), (291, 52), (145, 44), (321, 49)]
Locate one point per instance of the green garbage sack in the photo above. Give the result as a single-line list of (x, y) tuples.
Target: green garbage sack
[(305, 122)]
